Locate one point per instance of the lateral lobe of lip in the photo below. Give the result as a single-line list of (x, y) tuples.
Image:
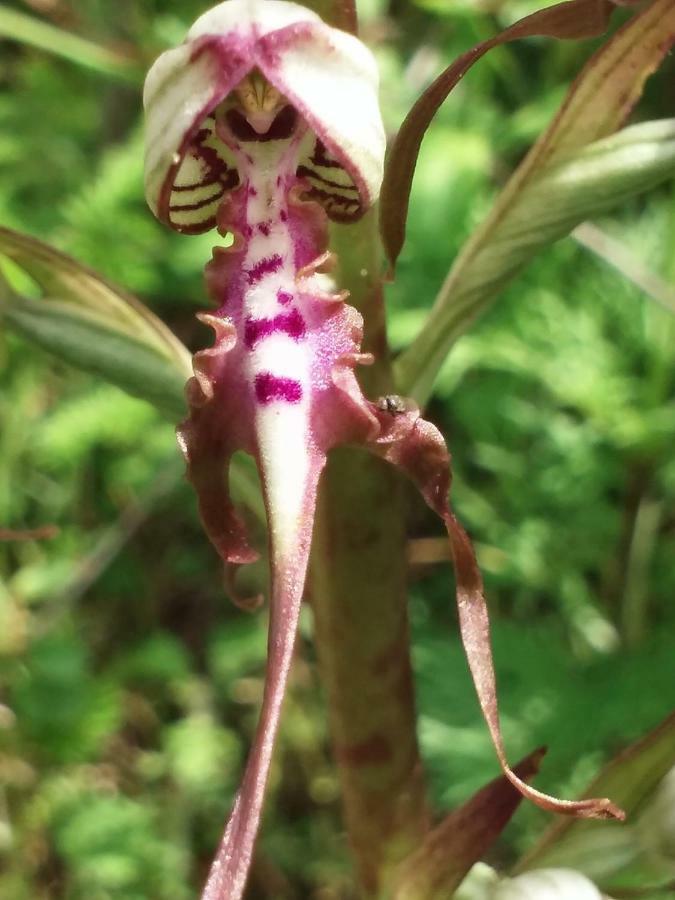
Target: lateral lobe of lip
[(290, 323)]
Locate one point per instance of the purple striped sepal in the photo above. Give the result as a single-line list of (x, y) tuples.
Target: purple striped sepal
[(326, 75)]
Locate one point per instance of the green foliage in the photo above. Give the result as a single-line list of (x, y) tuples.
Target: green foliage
[(89, 323), (130, 685)]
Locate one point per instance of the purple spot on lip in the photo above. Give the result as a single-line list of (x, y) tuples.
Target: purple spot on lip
[(284, 297), (269, 387), (283, 215), (264, 228), (265, 266), (248, 231), (290, 323)]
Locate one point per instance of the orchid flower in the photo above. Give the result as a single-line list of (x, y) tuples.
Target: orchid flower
[(265, 124)]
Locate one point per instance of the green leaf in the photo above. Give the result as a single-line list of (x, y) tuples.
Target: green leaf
[(92, 325), (576, 19), (599, 849), (561, 182), (28, 30), (601, 176), (88, 323)]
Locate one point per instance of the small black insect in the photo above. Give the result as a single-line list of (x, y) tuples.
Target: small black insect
[(391, 403)]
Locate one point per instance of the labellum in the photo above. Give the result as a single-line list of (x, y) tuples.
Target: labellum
[(264, 123)]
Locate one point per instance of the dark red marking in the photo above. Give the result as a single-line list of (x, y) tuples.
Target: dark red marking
[(251, 190), (216, 168), (374, 750), (321, 157), (195, 185), (269, 387), (290, 323), (248, 231), (214, 171), (284, 297), (267, 266), (264, 228), (190, 207), (283, 215), (338, 207), (305, 171)]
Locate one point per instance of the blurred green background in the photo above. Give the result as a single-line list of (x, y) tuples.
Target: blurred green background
[(129, 685)]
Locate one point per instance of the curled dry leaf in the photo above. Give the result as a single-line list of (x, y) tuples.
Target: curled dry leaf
[(631, 778), (418, 448)]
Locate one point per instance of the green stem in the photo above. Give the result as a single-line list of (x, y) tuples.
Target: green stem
[(358, 589), (635, 606)]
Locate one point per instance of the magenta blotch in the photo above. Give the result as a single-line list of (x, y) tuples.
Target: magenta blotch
[(290, 323), (266, 266), (269, 387)]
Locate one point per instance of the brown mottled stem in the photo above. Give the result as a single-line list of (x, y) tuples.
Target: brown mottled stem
[(358, 589), (338, 13)]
